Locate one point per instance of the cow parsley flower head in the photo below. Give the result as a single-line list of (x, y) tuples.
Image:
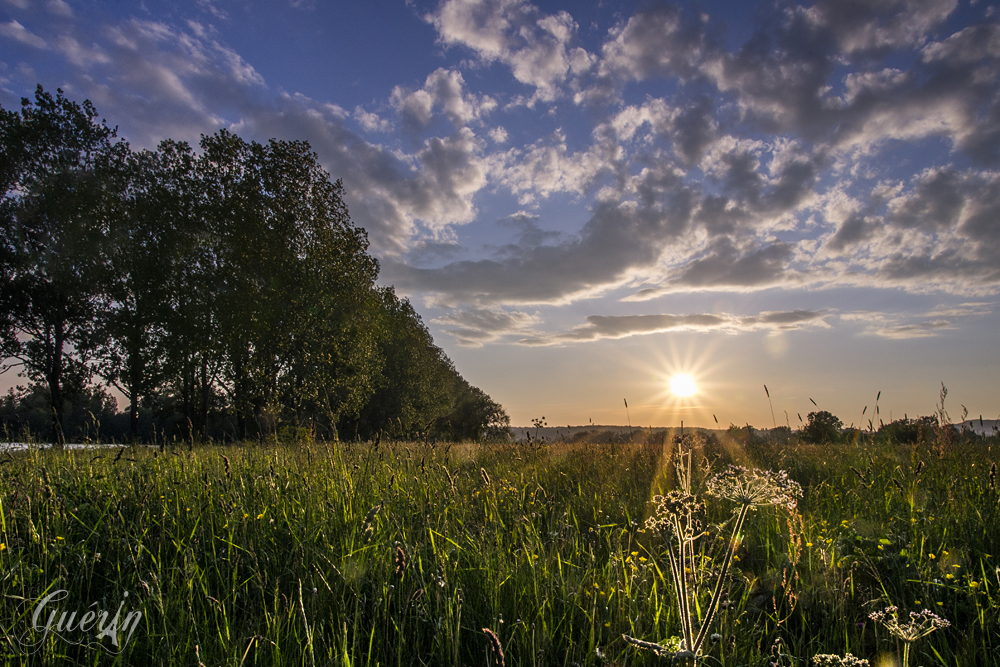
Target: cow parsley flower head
[(830, 660), (675, 506), (921, 623), (754, 487)]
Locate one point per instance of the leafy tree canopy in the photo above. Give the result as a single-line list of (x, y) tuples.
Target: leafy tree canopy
[(822, 426), (225, 292)]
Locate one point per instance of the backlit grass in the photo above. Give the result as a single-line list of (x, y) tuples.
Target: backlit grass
[(362, 554)]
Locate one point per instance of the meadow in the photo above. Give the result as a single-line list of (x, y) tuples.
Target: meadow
[(322, 553)]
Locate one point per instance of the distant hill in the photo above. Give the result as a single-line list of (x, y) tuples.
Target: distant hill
[(561, 433), (980, 426)]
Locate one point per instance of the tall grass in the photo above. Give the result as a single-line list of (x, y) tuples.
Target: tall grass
[(363, 554)]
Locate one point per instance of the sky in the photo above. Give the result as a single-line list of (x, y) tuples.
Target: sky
[(585, 199)]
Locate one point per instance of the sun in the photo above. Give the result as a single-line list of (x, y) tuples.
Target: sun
[(682, 385)]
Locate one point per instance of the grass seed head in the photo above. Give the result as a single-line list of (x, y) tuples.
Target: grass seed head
[(497, 648), (400, 561), (367, 530), (371, 513)]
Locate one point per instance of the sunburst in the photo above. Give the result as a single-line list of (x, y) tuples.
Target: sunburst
[(683, 385)]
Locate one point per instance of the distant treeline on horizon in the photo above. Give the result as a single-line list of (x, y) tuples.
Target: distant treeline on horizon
[(902, 430), (226, 294)]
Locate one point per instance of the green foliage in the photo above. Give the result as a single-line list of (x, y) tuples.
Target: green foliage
[(142, 278), (822, 426), (58, 203), (89, 412), (475, 416), (228, 292), (910, 431), (418, 384)]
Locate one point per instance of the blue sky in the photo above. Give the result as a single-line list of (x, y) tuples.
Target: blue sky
[(582, 199)]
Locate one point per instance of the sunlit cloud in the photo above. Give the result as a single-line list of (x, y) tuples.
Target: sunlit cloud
[(620, 326), (476, 326)]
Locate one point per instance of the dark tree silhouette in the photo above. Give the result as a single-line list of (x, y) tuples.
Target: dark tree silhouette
[(60, 179), (822, 426), (229, 284)]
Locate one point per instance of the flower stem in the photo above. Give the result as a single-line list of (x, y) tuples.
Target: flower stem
[(717, 595), (680, 585)]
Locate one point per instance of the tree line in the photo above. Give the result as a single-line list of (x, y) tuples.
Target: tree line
[(224, 292)]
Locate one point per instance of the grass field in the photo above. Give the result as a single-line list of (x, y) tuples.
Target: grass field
[(402, 554)]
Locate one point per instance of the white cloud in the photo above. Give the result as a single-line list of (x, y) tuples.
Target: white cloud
[(81, 55), (389, 193), (618, 238), (888, 24), (653, 43), (444, 90), (15, 30), (537, 47), (547, 167), (477, 326), (926, 324), (210, 7), (451, 172), (370, 121), (968, 45), (926, 329), (655, 113), (763, 167), (599, 327), (59, 8)]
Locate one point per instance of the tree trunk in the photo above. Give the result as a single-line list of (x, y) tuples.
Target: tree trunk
[(135, 373), (55, 384), (203, 417)]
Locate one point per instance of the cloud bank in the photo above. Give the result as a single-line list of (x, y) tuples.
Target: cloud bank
[(833, 146)]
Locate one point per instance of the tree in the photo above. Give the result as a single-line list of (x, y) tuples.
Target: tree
[(297, 304), (333, 363), (418, 383), (821, 427), (10, 302), (475, 416), (909, 431), (233, 279), (147, 238), (59, 178)]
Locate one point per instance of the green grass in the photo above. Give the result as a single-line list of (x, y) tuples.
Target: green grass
[(269, 559)]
